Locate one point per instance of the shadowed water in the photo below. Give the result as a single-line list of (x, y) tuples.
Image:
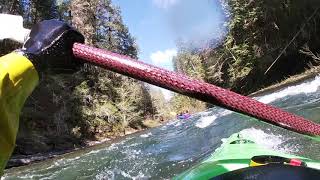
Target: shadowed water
[(166, 151)]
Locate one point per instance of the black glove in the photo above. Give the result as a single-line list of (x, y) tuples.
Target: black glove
[(49, 46)]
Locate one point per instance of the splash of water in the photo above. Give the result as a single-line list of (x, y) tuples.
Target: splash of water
[(269, 140), (307, 87), (146, 135), (205, 121)]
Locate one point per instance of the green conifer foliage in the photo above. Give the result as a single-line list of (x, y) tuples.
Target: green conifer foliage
[(68, 109)]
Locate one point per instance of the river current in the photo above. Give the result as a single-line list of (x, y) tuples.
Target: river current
[(166, 151)]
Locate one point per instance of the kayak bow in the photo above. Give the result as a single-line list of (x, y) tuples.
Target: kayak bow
[(237, 153)]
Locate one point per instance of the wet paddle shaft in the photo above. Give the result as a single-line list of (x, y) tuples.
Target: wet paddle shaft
[(195, 88)]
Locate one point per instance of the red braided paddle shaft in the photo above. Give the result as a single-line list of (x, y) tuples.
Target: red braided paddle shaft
[(195, 88)]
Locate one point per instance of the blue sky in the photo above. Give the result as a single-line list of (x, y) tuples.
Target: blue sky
[(158, 24)]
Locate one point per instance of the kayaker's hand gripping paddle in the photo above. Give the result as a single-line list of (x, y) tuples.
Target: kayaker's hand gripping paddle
[(187, 86)]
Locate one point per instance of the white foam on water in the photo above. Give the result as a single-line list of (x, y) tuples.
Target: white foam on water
[(270, 141), (172, 122), (163, 127), (146, 135), (94, 152), (225, 113), (131, 154), (105, 175), (132, 145), (110, 174), (260, 137), (33, 174), (205, 121), (177, 123), (124, 174), (205, 113), (141, 176), (307, 87), (64, 161)]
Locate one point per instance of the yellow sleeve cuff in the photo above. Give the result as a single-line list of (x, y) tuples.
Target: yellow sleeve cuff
[(18, 78)]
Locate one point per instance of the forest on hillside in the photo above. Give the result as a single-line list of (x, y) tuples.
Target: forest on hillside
[(67, 109), (266, 41)]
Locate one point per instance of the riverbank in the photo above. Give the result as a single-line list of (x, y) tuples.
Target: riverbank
[(22, 160)]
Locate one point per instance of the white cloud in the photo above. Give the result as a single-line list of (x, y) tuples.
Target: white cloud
[(165, 4), (163, 58)]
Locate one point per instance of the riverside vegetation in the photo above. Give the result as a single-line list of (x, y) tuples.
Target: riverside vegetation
[(67, 110), (259, 32)]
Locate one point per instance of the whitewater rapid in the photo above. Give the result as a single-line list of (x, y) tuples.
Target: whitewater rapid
[(311, 86)]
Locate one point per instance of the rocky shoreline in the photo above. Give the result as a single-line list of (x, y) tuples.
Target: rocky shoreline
[(23, 160)]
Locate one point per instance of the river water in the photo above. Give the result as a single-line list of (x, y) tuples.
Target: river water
[(166, 151)]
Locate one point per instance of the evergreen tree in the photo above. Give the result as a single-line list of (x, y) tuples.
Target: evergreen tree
[(84, 18), (43, 9), (99, 103), (124, 99), (11, 7)]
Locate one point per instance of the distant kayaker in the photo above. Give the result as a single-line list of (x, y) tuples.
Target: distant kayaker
[(187, 114), (182, 115), (49, 45)]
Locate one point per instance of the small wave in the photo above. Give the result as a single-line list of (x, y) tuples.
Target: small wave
[(224, 113), (178, 124), (64, 161), (146, 135), (307, 87), (205, 121), (105, 175), (172, 122), (205, 113), (270, 141), (94, 151), (111, 174), (260, 137)]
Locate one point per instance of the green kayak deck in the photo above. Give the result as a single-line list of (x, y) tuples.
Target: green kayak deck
[(235, 153)]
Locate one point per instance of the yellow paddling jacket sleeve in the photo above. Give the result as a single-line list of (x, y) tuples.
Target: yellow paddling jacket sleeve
[(18, 78)]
